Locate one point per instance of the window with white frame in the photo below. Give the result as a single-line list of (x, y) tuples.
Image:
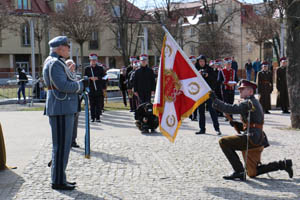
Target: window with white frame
[(25, 30), (59, 7)]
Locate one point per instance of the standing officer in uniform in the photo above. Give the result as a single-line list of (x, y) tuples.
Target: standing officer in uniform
[(144, 81), (211, 78), (257, 138), (265, 87), (97, 85), (61, 105), (281, 85)]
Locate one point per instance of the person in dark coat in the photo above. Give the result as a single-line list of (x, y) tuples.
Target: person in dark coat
[(130, 82), (144, 81), (234, 65), (265, 87), (123, 85), (211, 78), (95, 73), (281, 85), (257, 137), (22, 80), (248, 68), (129, 69)]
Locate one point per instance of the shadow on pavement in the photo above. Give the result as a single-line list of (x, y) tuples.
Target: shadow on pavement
[(105, 157), (76, 194), (8, 186), (229, 193)]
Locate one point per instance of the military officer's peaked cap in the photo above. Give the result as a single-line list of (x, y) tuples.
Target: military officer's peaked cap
[(218, 62), (193, 58), (144, 57), (59, 40), (93, 56), (227, 60), (245, 83), (132, 58), (265, 63), (283, 59)]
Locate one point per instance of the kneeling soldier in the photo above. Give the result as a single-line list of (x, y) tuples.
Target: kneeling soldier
[(254, 139)]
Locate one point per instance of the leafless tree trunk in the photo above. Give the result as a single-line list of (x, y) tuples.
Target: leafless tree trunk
[(293, 53)]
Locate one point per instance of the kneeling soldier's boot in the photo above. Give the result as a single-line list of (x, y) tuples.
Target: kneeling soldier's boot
[(235, 175), (275, 166)]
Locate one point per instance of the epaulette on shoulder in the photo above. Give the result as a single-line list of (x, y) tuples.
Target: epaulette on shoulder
[(250, 105)]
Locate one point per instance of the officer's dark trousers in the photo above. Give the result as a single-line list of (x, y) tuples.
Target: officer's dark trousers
[(212, 112), (124, 92), (144, 97), (62, 130), (229, 144), (95, 106)]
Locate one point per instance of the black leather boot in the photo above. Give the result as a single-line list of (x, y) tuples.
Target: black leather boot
[(236, 175), (275, 166)]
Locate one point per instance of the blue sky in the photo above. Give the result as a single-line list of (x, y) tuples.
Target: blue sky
[(148, 3)]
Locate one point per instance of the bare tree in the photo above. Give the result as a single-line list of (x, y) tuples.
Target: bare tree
[(214, 29), (262, 29), (293, 53), (6, 19), (168, 13), (78, 21), (124, 22)]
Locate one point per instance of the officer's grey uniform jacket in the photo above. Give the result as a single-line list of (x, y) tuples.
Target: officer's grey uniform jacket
[(256, 116), (62, 99)]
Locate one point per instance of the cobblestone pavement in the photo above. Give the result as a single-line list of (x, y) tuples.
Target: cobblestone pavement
[(126, 164)]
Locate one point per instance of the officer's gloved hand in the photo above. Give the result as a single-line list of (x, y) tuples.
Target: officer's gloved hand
[(237, 125), (212, 96), (85, 82)]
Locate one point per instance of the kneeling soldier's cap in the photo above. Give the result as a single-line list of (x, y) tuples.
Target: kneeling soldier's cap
[(93, 56), (59, 40), (245, 83), (283, 59), (227, 60), (265, 63), (143, 57)]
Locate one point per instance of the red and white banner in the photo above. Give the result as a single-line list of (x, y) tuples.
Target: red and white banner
[(180, 88)]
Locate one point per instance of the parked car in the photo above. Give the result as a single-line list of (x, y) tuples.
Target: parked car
[(15, 79), (113, 76)]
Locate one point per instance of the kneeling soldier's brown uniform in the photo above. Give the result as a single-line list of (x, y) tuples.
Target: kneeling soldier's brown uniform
[(257, 138)]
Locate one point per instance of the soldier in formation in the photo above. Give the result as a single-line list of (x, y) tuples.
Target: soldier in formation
[(265, 87)]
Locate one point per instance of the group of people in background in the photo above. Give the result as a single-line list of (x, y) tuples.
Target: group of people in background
[(222, 76), (263, 76)]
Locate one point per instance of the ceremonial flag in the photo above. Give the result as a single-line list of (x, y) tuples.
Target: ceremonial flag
[(180, 88)]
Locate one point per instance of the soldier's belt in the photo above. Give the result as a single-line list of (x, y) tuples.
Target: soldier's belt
[(254, 125), (52, 88)]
